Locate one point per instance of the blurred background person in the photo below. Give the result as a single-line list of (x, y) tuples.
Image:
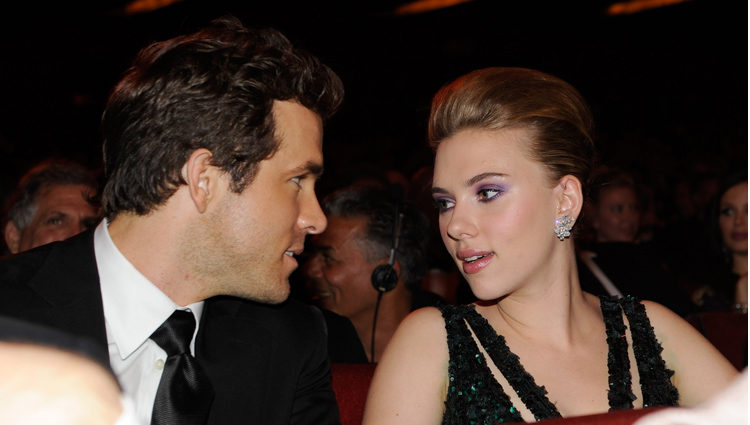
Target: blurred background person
[(725, 286), (54, 200), (615, 262), (48, 377), (365, 223)]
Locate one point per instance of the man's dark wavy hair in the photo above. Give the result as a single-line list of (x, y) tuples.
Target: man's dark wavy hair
[(213, 89)]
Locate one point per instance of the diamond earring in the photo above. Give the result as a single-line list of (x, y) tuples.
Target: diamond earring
[(562, 226)]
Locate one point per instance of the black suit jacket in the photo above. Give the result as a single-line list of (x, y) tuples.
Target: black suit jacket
[(268, 364)]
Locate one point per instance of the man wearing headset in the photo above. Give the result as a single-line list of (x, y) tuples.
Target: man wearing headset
[(369, 263)]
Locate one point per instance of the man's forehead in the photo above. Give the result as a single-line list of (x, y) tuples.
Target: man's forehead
[(345, 228), (80, 188)]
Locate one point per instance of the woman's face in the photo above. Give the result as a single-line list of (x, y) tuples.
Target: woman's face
[(733, 218), (617, 215), (497, 209)]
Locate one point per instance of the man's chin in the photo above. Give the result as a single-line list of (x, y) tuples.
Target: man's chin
[(277, 297), (274, 295), (326, 303)]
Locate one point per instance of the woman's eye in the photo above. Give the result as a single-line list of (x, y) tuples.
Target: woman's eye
[(727, 212), (488, 193), (443, 204), (297, 181)]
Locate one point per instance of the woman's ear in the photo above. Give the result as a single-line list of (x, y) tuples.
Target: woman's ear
[(569, 196), (201, 178)]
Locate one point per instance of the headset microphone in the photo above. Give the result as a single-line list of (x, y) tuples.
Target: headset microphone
[(384, 278)]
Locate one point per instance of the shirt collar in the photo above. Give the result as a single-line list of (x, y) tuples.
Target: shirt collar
[(133, 306)]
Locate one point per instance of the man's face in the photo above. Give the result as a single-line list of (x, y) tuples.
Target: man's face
[(62, 211), (249, 238), (338, 274)]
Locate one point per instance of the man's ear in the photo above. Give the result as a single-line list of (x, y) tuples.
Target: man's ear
[(569, 196), (201, 177), (12, 237)]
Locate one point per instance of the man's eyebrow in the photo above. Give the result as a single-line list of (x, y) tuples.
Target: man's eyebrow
[(310, 167), (55, 212)]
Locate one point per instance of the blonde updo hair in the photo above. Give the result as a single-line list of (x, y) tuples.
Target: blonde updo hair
[(497, 98)]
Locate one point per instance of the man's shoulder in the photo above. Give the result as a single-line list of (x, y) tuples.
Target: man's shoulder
[(28, 262), (22, 267), (47, 268), (291, 330), (289, 314)]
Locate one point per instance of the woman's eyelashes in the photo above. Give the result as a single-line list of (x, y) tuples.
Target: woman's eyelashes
[(489, 193), (483, 194), (442, 203)]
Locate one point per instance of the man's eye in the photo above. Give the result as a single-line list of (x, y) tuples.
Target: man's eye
[(55, 220)]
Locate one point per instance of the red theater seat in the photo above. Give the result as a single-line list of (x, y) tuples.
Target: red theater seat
[(350, 384), (352, 381), (617, 417), (727, 331)]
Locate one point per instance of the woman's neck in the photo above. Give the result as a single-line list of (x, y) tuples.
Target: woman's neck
[(551, 310), (739, 263)]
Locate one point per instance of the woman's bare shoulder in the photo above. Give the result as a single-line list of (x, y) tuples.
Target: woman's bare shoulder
[(700, 369), (425, 325), (410, 381)]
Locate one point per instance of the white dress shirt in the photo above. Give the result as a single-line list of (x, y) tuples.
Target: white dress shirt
[(133, 309)]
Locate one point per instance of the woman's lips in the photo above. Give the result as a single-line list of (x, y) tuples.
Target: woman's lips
[(476, 265), (739, 236)]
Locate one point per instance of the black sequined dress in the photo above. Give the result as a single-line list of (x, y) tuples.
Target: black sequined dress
[(475, 397)]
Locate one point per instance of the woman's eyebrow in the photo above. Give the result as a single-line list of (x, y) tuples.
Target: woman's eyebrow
[(479, 177), (472, 181)]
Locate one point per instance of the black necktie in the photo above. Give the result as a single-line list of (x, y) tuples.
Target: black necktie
[(185, 394)]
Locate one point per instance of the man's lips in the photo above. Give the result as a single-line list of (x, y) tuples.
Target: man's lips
[(294, 252), (320, 294)]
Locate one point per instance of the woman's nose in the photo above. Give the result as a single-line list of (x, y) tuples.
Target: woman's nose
[(460, 224)]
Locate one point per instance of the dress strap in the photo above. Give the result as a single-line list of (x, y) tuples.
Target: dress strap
[(473, 395), (620, 386), (533, 396), (656, 384)]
